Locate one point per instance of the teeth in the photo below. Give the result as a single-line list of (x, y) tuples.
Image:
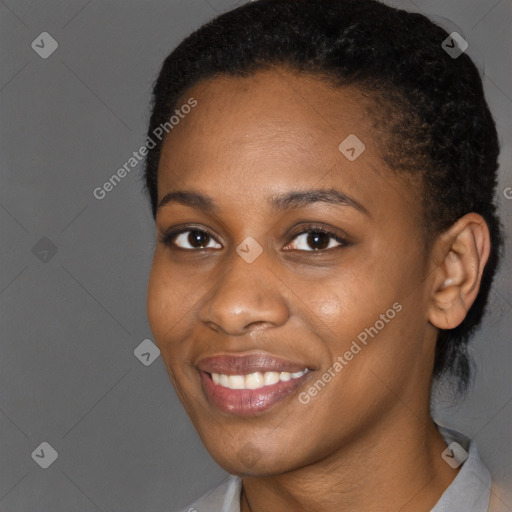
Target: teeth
[(271, 378), (254, 380), (236, 382)]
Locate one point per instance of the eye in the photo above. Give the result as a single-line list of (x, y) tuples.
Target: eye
[(195, 237), (318, 239)]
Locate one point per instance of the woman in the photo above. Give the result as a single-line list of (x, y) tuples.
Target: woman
[(327, 237)]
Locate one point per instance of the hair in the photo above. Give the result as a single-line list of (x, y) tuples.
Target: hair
[(430, 108)]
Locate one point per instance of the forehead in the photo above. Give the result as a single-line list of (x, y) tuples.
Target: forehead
[(275, 104), (274, 120)]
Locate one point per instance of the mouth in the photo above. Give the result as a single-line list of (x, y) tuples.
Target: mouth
[(251, 384)]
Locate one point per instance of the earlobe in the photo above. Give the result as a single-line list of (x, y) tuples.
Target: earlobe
[(465, 249)]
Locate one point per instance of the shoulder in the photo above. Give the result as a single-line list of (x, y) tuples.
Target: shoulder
[(223, 498)]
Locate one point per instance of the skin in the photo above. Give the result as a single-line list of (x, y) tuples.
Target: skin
[(247, 140)]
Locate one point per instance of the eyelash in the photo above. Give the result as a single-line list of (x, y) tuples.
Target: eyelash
[(168, 238)]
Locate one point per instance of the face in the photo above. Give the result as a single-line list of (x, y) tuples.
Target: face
[(288, 290)]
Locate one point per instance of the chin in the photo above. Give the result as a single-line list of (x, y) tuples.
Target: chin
[(249, 460)]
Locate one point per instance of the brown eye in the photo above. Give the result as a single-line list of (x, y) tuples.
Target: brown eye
[(195, 238), (318, 240)]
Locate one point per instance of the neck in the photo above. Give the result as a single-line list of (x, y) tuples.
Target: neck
[(397, 466)]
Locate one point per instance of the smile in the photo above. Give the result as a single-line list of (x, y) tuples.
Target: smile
[(248, 384), (254, 380)]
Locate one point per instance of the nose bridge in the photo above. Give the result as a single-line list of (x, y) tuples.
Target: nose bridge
[(245, 293)]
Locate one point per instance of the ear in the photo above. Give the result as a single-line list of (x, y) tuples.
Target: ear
[(461, 255)]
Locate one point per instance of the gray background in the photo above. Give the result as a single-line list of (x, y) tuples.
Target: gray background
[(71, 319)]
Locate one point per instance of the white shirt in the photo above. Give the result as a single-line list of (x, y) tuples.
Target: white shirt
[(469, 491)]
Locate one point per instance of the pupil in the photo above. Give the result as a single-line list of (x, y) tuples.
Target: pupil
[(313, 240), (198, 237)]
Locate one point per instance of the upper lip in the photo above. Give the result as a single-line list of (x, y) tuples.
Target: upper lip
[(230, 364)]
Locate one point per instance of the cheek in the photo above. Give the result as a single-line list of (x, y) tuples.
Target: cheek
[(377, 301), (167, 305), (324, 301), (389, 327), (158, 306), (167, 317)]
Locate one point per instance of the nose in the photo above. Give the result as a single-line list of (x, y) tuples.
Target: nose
[(246, 296)]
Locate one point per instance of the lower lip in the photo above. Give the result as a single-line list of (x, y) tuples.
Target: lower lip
[(245, 402)]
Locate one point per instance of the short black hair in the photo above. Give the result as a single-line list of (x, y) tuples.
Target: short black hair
[(431, 107)]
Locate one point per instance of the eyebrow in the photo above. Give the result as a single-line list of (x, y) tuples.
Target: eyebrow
[(287, 201)]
